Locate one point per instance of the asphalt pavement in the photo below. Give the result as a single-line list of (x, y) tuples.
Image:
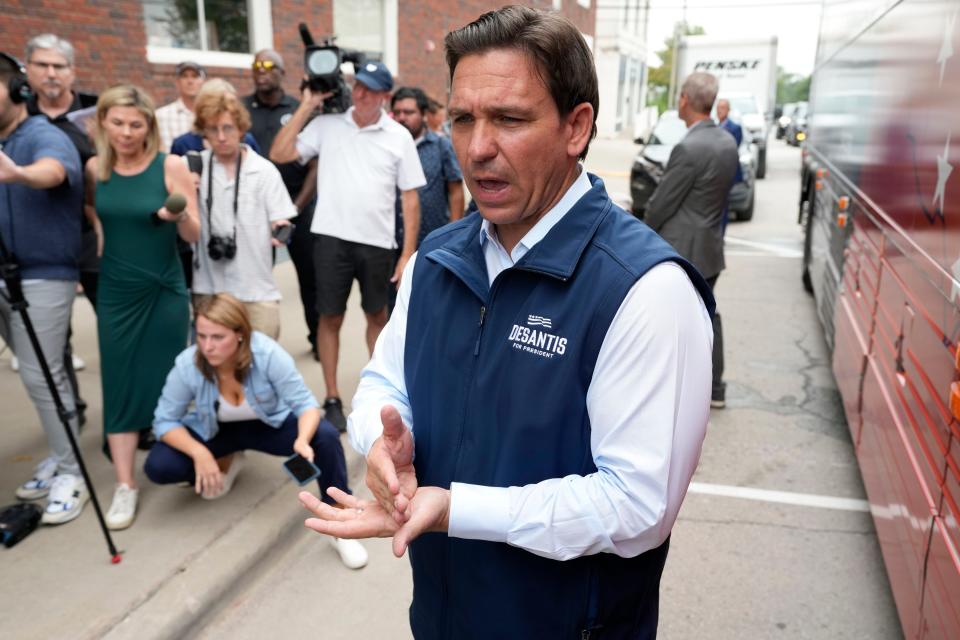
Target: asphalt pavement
[(773, 541)]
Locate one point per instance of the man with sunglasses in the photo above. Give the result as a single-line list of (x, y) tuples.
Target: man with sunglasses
[(270, 109), (176, 118)]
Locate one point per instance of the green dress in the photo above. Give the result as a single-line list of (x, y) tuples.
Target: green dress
[(143, 312)]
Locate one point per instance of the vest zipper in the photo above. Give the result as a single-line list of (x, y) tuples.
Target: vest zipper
[(476, 349)]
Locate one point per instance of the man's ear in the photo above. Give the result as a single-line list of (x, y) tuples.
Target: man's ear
[(578, 127)]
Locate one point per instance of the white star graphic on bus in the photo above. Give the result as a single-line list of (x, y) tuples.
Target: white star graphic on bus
[(946, 47), (944, 169)]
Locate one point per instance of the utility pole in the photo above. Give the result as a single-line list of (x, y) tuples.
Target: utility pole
[(674, 70)]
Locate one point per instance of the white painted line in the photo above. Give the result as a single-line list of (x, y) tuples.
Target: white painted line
[(775, 249), (780, 497), (760, 254)]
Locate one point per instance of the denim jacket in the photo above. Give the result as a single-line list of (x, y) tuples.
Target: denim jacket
[(273, 387)]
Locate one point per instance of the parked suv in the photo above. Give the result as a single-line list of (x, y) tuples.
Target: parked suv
[(650, 162)]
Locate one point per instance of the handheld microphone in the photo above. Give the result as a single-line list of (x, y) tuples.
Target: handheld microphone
[(175, 203)]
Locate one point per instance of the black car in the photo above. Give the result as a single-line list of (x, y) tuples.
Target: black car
[(649, 164), (796, 131)]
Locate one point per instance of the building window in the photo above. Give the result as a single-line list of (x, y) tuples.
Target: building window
[(177, 23), (369, 26), (213, 32)]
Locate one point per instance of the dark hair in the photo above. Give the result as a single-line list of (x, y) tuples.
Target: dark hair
[(560, 55), (423, 102)]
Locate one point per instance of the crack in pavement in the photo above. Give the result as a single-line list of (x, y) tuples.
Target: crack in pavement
[(774, 525)]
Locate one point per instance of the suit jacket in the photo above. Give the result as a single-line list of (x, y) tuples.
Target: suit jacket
[(687, 207)]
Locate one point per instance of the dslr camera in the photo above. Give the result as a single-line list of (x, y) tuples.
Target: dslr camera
[(322, 63), (222, 247)]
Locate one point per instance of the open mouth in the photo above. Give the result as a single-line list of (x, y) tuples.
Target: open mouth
[(492, 186)]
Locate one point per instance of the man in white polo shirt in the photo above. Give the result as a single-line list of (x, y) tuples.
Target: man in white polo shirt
[(364, 157)]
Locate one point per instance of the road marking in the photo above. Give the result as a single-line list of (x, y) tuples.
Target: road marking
[(780, 497), (777, 250)]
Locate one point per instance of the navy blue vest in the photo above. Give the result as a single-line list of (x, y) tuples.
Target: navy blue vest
[(497, 377)]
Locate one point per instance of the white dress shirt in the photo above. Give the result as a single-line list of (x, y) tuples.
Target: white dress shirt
[(173, 120), (648, 403)]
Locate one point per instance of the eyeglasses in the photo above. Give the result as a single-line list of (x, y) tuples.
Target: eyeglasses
[(264, 65), (59, 67), (225, 130)]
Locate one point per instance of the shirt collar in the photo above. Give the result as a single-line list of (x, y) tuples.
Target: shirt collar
[(576, 191), (379, 124), (427, 137), (181, 107)]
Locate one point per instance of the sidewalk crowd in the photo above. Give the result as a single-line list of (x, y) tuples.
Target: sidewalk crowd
[(96, 172)]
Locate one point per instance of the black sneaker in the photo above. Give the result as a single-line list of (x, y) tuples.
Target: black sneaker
[(333, 411)]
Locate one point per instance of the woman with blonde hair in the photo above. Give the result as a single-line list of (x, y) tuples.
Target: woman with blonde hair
[(143, 312), (237, 389)]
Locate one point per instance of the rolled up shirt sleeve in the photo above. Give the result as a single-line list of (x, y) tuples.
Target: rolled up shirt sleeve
[(382, 381), (648, 404)]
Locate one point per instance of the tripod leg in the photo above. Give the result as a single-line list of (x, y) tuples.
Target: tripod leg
[(64, 415)]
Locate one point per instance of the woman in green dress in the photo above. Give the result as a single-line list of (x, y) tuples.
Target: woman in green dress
[(143, 308)]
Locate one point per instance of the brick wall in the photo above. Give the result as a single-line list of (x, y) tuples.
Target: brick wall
[(424, 24), (110, 38)]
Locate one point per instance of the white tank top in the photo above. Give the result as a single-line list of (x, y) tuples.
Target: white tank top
[(227, 412)]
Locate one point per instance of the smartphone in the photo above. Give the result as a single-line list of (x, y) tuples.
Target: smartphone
[(282, 234), (300, 469)]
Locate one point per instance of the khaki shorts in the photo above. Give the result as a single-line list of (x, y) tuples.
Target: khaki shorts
[(264, 316)]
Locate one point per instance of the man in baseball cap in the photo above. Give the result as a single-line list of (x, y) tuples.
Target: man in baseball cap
[(176, 118), (364, 157)]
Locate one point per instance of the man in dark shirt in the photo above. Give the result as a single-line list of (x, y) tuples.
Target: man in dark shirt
[(50, 73), (441, 199), (270, 109)]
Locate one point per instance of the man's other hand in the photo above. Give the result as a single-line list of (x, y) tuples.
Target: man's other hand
[(390, 473), (429, 511)]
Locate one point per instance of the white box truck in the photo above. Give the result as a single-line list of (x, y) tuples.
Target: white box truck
[(747, 71)]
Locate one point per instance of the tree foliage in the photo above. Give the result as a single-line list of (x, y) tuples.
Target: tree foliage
[(658, 83), (792, 87)]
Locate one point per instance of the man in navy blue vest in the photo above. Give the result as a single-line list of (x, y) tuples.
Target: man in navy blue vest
[(535, 408)]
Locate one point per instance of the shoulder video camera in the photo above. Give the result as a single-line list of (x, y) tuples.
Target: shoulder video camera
[(322, 63)]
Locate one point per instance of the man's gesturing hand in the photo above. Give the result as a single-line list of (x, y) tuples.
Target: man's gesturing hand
[(429, 511), (390, 473)]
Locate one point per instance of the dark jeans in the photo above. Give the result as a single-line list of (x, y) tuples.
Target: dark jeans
[(301, 254), (166, 465), (719, 386)]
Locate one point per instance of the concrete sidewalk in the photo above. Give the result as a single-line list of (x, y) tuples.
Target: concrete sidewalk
[(182, 553)]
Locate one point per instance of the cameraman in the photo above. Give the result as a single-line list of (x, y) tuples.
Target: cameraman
[(242, 202), (364, 156), (41, 193)]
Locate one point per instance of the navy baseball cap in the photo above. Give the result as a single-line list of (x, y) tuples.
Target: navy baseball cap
[(375, 75)]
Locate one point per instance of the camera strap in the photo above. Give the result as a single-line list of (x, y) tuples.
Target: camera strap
[(236, 195)]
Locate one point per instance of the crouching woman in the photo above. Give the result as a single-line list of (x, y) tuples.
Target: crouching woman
[(246, 394)]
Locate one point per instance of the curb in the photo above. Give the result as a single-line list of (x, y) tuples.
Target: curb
[(200, 584)]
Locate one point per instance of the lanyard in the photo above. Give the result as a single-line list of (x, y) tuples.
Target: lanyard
[(236, 195)]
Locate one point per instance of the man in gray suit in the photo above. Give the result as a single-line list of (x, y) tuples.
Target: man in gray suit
[(687, 207)]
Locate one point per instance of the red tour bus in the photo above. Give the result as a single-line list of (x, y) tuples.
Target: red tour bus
[(880, 205)]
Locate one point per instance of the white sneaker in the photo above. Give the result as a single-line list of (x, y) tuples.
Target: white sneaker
[(123, 509), (15, 363), (78, 363), (352, 553), (68, 494), (39, 485), (229, 477)]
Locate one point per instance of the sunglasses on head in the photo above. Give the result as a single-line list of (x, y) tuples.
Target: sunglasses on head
[(264, 65)]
